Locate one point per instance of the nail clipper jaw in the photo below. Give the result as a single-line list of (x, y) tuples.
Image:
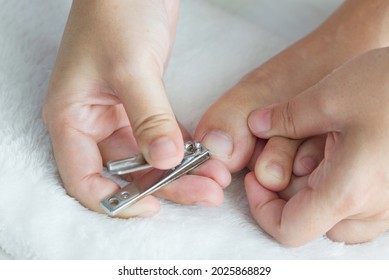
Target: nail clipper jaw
[(195, 154)]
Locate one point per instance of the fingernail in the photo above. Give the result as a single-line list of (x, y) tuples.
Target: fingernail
[(260, 121), (275, 171), (162, 149), (218, 143), (309, 163)]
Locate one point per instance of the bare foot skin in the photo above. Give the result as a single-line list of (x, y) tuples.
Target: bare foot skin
[(347, 195), (356, 27)]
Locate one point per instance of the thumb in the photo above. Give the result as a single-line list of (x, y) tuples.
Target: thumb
[(307, 114), (153, 122)]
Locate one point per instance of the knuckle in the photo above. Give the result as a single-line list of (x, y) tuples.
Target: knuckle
[(147, 126), (283, 148), (327, 104), (287, 120)]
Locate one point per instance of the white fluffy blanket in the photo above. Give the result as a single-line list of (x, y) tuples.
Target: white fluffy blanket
[(215, 47)]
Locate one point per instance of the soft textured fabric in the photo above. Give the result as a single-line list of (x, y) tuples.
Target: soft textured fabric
[(216, 45)]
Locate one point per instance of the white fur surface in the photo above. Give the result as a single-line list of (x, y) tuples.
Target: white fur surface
[(215, 47)]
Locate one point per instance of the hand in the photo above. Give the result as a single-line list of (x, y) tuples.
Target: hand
[(351, 30), (107, 101), (347, 195)]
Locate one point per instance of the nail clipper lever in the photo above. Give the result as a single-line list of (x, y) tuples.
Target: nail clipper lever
[(195, 155)]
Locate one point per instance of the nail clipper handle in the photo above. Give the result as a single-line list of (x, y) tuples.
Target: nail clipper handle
[(130, 194)]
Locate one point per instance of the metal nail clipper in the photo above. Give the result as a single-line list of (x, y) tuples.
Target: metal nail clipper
[(195, 154)]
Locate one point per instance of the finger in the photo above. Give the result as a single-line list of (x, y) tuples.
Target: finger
[(306, 216), (153, 122), (215, 170), (311, 113), (259, 146), (275, 164), (80, 166), (119, 145), (358, 231), (309, 155), (194, 188), (223, 128), (295, 185), (122, 144)]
